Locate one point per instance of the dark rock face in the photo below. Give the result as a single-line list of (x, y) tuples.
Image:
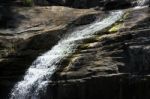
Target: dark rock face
[(87, 19), (56, 2), (104, 4), (82, 3), (120, 86), (116, 4), (40, 2), (107, 4), (139, 58), (75, 3)]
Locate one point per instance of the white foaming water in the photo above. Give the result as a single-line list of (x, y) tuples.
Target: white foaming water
[(142, 2), (39, 73)]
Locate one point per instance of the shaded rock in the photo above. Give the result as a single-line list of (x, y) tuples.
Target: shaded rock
[(40, 2), (87, 19), (119, 86), (139, 59), (75, 3), (107, 4), (82, 3), (116, 4)]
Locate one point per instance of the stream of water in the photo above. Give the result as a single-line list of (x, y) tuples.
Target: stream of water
[(39, 73)]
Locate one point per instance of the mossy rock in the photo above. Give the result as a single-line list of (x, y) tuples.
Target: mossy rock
[(115, 28)]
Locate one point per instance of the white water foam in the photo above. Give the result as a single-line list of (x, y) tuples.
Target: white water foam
[(142, 2), (37, 76)]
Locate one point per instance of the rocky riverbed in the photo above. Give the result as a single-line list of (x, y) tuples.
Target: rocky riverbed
[(114, 64)]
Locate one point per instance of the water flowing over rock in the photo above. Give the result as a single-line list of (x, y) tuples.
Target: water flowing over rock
[(37, 33), (42, 69), (106, 57), (115, 63)]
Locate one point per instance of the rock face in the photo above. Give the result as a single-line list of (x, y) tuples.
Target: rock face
[(116, 4)]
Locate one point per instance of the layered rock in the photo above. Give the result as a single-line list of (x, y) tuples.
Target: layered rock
[(112, 65)]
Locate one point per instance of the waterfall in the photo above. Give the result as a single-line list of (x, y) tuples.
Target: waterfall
[(39, 73)]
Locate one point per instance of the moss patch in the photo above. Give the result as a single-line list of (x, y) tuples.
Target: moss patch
[(115, 27), (118, 25)]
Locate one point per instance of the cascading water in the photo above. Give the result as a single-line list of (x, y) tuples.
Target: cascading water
[(142, 2), (40, 72)]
